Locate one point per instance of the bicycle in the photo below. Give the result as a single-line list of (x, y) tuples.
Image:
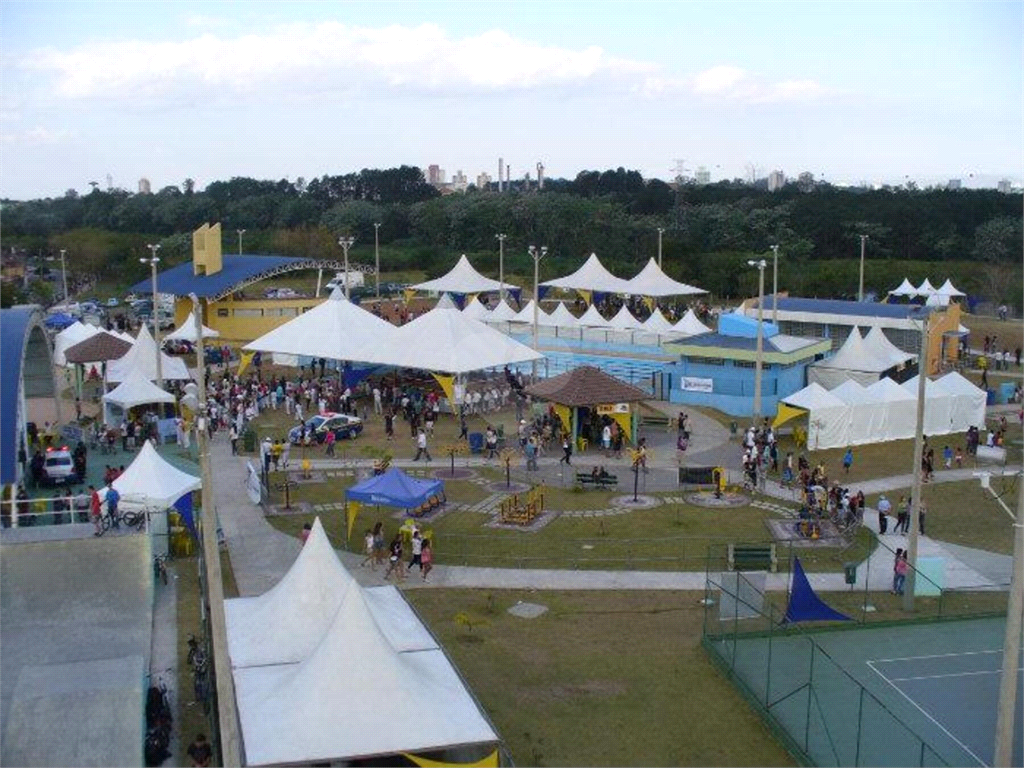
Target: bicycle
[(159, 720), (136, 520), (160, 568), (200, 664)]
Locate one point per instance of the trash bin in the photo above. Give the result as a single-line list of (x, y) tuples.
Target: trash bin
[(733, 427), (850, 572), (249, 441), (476, 442)]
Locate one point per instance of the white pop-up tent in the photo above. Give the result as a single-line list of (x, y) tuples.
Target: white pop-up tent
[(651, 281), (502, 313), (153, 482), (879, 345), (938, 405), (853, 360), (592, 276), (867, 417), (141, 358), (133, 391), (187, 331), (657, 323), (828, 417), (948, 289), (336, 329), (73, 334), (525, 315), (925, 288), (462, 278), (690, 326), (905, 289), (968, 408), (592, 319), (476, 310), (899, 407), (563, 318), (624, 320)]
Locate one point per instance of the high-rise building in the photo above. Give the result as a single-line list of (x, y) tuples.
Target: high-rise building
[(144, 186), (703, 176), (540, 175), (483, 180), (1004, 186), (459, 181), (435, 175), (776, 181), (953, 184)]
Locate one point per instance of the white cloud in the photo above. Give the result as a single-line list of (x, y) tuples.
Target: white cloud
[(720, 79), (38, 136)]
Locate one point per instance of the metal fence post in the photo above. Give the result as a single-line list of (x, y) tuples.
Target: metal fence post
[(768, 668), (860, 722), (810, 695), (867, 581)]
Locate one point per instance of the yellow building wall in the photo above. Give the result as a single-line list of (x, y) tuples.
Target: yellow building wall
[(940, 347), (239, 321), (207, 258)]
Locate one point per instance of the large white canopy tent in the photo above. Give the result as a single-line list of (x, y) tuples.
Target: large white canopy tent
[(689, 324), (462, 278), (867, 419), (652, 281), (879, 345), (153, 482), (187, 331), (968, 407), (853, 360), (352, 680), (133, 391), (592, 276), (938, 405), (828, 417), (624, 320), (141, 358), (336, 329), (73, 334)]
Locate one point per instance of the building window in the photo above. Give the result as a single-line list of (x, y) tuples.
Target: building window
[(222, 312), (248, 313), (706, 361), (746, 364)]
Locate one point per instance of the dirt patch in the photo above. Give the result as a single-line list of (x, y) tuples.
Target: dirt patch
[(590, 689)]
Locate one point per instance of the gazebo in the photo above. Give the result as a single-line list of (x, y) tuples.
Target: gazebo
[(583, 394)]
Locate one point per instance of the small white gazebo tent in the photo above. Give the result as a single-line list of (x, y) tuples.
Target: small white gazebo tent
[(133, 391), (525, 315), (948, 289), (904, 289), (476, 310), (651, 281), (592, 276), (462, 278), (624, 320), (151, 481), (925, 288), (563, 318), (657, 323), (187, 331), (141, 358), (73, 334), (689, 324), (853, 360), (592, 319), (502, 313)]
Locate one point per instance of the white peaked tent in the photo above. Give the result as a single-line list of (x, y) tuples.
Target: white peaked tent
[(867, 418), (562, 317), (878, 344), (150, 481), (327, 671), (335, 329), (925, 288), (938, 405), (651, 281), (133, 391), (937, 300), (141, 358), (445, 341), (285, 624), (904, 289), (689, 324), (187, 331), (525, 315), (476, 310), (592, 276), (948, 289), (828, 417), (657, 323), (592, 319), (463, 278), (854, 360), (968, 408), (502, 313), (624, 320), (73, 334), (899, 406)]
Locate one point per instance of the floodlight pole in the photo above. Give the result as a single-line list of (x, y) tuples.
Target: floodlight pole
[(860, 291), (760, 265), (915, 493), (661, 231), (537, 255), (227, 714), (153, 260), (346, 243), (63, 273), (775, 285), (376, 254), (240, 233), (501, 265)]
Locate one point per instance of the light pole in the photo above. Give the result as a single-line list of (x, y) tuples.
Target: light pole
[(240, 233), (376, 254), (346, 243), (153, 260), (775, 285), (860, 290), (915, 492), (501, 266), (64, 274), (1011, 642), (536, 254), (760, 265), (661, 231)]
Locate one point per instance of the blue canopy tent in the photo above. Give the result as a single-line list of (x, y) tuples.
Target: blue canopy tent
[(393, 488), (59, 320), (804, 604)]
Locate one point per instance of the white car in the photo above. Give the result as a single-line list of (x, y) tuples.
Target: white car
[(59, 466)]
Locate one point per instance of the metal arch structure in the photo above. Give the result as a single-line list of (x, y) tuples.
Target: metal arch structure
[(337, 266)]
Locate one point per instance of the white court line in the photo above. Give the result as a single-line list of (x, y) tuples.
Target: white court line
[(950, 674), (918, 707), (938, 655)]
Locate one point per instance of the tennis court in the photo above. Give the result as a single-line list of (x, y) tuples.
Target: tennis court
[(910, 694)]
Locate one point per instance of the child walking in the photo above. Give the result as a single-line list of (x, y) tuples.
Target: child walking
[(426, 558)]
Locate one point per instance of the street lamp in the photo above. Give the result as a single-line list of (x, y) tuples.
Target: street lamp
[(64, 274), (501, 266), (661, 231), (536, 255), (915, 491), (240, 233), (860, 290), (153, 260), (346, 243), (376, 254), (775, 285), (760, 265)]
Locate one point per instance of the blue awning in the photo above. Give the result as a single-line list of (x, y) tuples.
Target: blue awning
[(394, 488)]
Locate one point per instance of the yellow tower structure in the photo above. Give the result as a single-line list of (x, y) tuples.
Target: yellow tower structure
[(206, 250)]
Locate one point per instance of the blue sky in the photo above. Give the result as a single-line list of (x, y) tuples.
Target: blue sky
[(876, 91)]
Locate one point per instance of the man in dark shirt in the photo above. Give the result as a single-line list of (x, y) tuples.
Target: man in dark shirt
[(200, 752)]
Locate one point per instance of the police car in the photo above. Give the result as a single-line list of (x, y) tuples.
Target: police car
[(59, 466), (319, 425)]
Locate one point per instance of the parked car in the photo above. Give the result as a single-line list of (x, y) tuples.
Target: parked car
[(113, 302), (343, 426), (59, 466)]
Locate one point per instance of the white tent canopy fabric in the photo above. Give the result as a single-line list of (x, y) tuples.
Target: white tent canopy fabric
[(657, 323), (624, 320), (502, 313), (563, 318), (899, 407), (476, 310), (153, 482), (867, 419), (73, 334), (689, 324), (938, 405), (592, 276), (878, 344), (925, 288), (968, 408), (828, 422), (525, 315), (336, 329), (141, 358), (463, 278), (853, 360), (651, 281), (136, 390), (592, 319), (905, 289), (187, 331), (948, 289)]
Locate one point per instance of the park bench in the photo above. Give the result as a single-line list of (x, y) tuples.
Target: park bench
[(586, 480), (752, 557)]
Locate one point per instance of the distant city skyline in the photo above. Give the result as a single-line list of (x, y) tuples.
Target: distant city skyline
[(210, 90)]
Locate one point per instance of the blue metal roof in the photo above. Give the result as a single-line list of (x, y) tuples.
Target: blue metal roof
[(839, 307), (14, 325), (237, 272), (722, 341)]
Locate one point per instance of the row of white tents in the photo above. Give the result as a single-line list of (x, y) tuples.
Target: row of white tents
[(863, 359), (933, 296), (852, 414)]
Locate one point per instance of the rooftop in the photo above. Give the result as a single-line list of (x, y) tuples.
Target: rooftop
[(840, 307)]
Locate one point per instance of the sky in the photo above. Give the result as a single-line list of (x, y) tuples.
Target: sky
[(882, 92)]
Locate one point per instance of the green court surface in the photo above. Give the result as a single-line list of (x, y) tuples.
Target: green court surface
[(893, 695)]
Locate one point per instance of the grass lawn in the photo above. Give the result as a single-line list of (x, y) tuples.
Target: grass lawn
[(1010, 333), (602, 678)]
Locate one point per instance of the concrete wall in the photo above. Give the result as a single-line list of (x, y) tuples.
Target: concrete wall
[(733, 386)]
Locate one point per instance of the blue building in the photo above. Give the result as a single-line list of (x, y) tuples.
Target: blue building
[(717, 369)]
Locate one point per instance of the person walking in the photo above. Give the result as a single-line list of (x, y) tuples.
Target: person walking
[(899, 572), (417, 552), (95, 510), (567, 449), (847, 460), (233, 436), (378, 545), (368, 551), (421, 446), (112, 498), (884, 508), (395, 557), (883, 521), (426, 558), (330, 439)]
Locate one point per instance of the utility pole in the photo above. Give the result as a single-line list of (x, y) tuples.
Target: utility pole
[(153, 260), (376, 254), (63, 273), (501, 266), (915, 493), (346, 243), (775, 286), (860, 291), (760, 265), (661, 231), (240, 233), (536, 255), (227, 714)]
